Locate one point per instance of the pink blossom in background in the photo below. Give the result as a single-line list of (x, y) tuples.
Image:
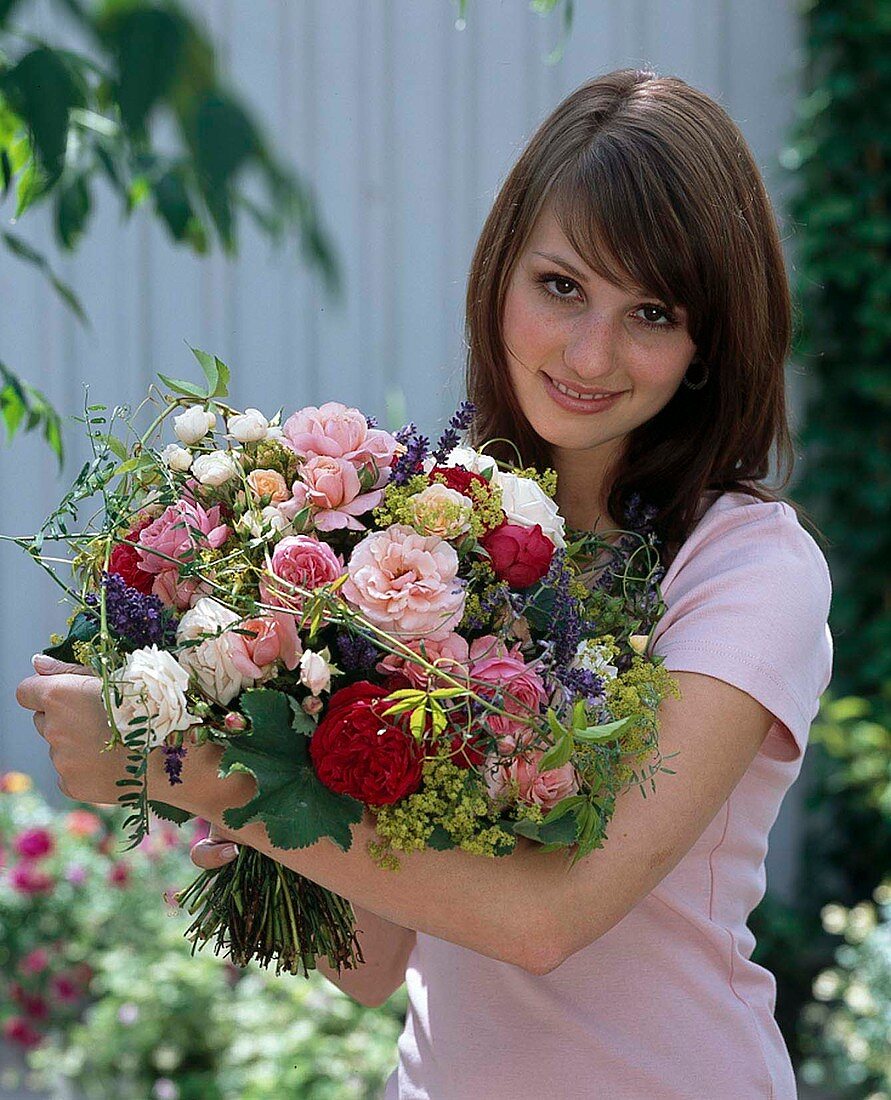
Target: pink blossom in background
[(65, 988), (172, 534), (450, 655), (33, 1005), (82, 823), (119, 874), (17, 1029), (301, 561), (35, 962), (76, 874), (34, 843), (25, 878), (407, 583), (201, 830)]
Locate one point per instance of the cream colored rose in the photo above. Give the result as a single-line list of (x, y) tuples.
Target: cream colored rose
[(152, 684), (269, 483), (176, 457), (315, 670), (638, 642), (212, 661), (527, 504), (439, 510), (214, 469), (248, 427), (194, 424)]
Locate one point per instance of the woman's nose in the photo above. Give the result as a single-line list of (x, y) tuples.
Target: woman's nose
[(590, 351)]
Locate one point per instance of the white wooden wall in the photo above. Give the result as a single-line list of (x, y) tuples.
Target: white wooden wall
[(405, 125)]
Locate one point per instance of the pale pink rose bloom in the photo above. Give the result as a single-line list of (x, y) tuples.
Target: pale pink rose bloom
[(337, 431), (450, 655), (521, 688), (274, 639), (406, 583), (301, 561), (172, 534), (333, 489), (181, 593), (535, 787), (487, 646)]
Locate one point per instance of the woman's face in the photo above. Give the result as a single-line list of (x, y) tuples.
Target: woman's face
[(570, 334)]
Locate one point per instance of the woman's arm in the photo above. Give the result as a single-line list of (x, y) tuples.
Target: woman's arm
[(528, 908)]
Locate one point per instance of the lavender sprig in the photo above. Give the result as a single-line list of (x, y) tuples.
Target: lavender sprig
[(412, 462), (173, 762), (134, 616), (355, 653), (451, 437)]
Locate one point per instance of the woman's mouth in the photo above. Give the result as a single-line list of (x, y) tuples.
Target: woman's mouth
[(577, 401)]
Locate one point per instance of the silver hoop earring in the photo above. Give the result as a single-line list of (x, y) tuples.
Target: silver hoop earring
[(696, 385)]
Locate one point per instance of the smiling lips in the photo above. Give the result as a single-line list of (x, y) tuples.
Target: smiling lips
[(579, 395)]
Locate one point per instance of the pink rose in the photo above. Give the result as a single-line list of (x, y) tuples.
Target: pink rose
[(271, 638), (535, 787), (179, 592), (520, 690), (298, 561), (334, 492), (34, 843), (173, 534), (450, 654), (339, 432), (406, 583)]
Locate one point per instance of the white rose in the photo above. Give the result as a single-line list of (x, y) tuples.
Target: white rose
[(193, 424), (526, 503), (274, 431), (248, 426), (273, 519), (152, 684), (315, 671), (211, 661), (594, 657), (176, 457), (472, 460), (269, 520), (214, 469)]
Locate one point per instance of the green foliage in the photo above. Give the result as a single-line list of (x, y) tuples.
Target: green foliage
[(295, 807)]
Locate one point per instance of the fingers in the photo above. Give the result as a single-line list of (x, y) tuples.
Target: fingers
[(210, 854), (29, 693), (49, 666)]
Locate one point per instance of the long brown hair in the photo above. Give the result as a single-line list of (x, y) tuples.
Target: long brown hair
[(649, 169)]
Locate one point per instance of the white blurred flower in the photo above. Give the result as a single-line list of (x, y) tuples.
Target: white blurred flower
[(527, 504), (176, 457), (834, 918), (152, 684), (594, 657), (212, 662), (193, 424), (248, 427), (859, 999), (214, 469), (826, 985), (315, 670)]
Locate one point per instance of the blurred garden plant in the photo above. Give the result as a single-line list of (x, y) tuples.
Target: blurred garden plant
[(71, 117)]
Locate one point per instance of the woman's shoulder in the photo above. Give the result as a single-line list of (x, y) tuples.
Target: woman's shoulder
[(736, 530)]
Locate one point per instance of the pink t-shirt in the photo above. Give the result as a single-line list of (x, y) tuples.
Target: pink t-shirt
[(667, 1005)]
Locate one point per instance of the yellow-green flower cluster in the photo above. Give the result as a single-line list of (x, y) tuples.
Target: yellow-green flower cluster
[(488, 510), (637, 692), (446, 798), (394, 508), (270, 454)]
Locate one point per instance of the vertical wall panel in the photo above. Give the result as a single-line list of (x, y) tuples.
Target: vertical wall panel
[(404, 126)]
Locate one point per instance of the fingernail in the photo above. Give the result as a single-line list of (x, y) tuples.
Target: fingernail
[(229, 851), (40, 660)]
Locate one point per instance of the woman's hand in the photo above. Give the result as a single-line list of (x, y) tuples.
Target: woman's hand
[(215, 851), (70, 717)]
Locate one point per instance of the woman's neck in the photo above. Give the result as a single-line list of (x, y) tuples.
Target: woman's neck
[(582, 491)]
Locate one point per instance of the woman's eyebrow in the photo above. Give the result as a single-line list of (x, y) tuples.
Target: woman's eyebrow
[(564, 263)]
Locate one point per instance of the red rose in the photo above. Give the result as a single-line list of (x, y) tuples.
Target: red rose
[(467, 753), (357, 752), (520, 555), (125, 561)]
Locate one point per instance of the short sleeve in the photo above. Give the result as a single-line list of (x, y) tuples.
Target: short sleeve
[(748, 600)]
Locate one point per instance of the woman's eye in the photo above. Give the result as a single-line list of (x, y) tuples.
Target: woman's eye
[(656, 316), (561, 282)]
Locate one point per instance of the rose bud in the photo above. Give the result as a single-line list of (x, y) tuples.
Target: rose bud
[(312, 705), (235, 722)]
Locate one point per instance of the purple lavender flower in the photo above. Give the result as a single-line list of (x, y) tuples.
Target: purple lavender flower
[(451, 437), (173, 762), (582, 682), (412, 462), (640, 514), (356, 654), (371, 421), (566, 622), (137, 618)]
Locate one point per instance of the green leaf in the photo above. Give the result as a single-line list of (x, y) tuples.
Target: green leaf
[(215, 371), (170, 813), (73, 205), (173, 204), (296, 808), (558, 754), (440, 840), (83, 628), (188, 389), (607, 732)]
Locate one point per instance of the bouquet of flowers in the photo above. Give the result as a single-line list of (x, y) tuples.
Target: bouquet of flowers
[(369, 624)]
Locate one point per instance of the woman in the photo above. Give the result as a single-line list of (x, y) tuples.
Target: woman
[(632, 251)]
